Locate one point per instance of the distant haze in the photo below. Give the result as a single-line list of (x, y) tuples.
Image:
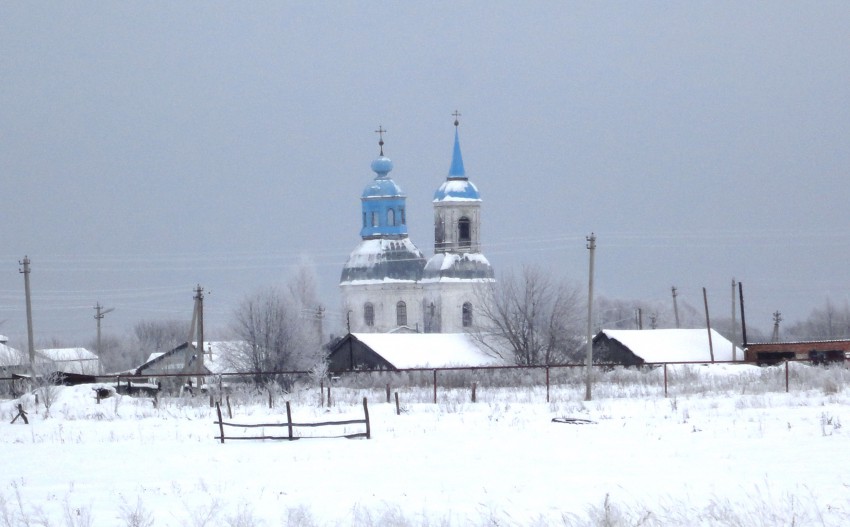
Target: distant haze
[(146, 148)]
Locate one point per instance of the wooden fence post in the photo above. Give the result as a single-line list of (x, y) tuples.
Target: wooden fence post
[(229, 412), (665, 379), (22, 414), (786, 376), (366, 412), (547, 384), (212, 401), (435, 386), (289, 420), (474, 385), (388, 392), (270, 398), (397, 407), (220, 424), (322, 393), (329, 395)]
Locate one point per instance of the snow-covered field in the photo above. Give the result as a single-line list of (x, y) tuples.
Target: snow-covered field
[(745, 453)]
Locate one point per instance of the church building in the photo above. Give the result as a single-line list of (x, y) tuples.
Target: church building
[(387, 284)]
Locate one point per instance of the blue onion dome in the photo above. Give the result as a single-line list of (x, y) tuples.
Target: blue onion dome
[(382, 165), (382, 185)]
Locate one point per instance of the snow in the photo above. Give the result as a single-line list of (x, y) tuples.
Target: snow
[(738, 456), (675, 345), (428, 350)]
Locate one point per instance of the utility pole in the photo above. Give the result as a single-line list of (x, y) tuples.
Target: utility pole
[(100, 312), (25, 269), (199, 306), (777, 318), (734, 324), (320, 316), (591, 246), (708, 324), (675, 307), (350, 349), (743, 319)]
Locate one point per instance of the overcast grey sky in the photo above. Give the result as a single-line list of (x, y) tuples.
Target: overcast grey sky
[(146, 147)]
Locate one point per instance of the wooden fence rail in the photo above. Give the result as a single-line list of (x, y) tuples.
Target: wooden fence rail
[(290, 426)]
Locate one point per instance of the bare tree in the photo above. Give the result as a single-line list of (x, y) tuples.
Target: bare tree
[(273, 337), (824, 323), (152, 336), (532, 318)]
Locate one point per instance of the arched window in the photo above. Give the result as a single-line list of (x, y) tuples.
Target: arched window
[(401, 314), (464, 237), (390, 217), (369, 314), (467, 314), (374, 219)]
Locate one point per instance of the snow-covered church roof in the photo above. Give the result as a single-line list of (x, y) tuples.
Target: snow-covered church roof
[(382, 260), (453, 266)]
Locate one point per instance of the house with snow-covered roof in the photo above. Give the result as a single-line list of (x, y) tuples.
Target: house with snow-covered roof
[(71, 360), (636, 347), (64, 360), (186, 358), (400, 350), (388, 283)]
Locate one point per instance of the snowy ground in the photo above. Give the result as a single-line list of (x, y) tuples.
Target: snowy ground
[(739, 456)]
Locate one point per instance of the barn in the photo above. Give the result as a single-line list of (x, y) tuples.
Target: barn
[(638, 347), (185, 360), (398, 351), (817, 351)]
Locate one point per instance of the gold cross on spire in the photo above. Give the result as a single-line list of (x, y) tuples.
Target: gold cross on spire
[(380, 131), (456, 115)]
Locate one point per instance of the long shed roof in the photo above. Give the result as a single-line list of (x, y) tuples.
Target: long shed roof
[(674, 345), (428, 350)]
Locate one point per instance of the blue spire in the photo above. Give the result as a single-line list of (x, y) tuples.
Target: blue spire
[(457, 170)]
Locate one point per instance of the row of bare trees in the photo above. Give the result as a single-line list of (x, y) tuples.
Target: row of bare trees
[(530, 317)]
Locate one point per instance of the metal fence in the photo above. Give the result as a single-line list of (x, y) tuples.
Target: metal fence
[(564, 380)]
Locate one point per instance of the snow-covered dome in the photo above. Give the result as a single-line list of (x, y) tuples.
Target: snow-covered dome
[(468, 266), (457, 190), (384, 259)]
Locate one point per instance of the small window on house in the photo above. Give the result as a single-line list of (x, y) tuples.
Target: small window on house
[(467, 314), (401, 314), (369, 314), (374, 219), (390, 217), (463, 235)]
